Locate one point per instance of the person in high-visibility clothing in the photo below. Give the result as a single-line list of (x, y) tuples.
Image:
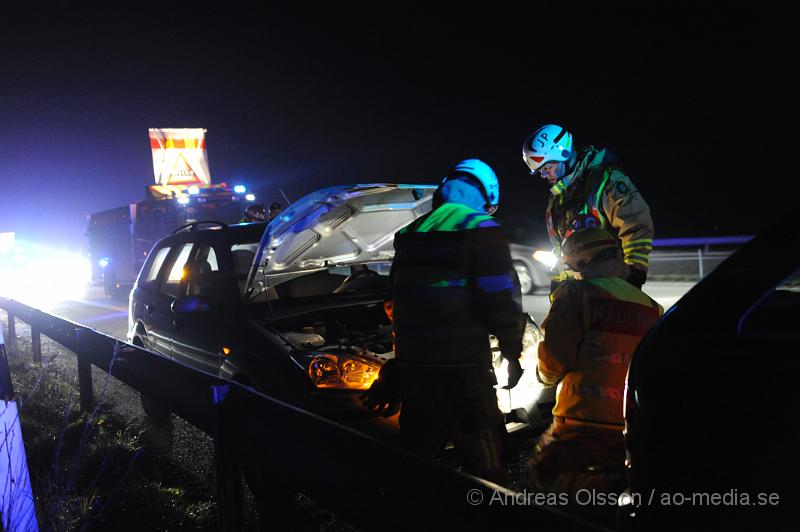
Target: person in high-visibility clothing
[(595, 322), (589, 181), (453, 284)]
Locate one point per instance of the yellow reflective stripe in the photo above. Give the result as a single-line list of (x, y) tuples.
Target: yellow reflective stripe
[(645, 242), (621, 290), (630, 260)]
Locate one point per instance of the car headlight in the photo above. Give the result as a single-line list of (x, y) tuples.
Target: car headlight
[(342, 372), (548, 258)]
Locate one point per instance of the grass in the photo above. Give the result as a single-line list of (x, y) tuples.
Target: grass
[(102, 470), (98, 470)]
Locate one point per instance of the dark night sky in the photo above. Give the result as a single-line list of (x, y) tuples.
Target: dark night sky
[(698, 105)]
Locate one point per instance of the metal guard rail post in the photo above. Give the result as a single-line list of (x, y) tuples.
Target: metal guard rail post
[(283, 449)]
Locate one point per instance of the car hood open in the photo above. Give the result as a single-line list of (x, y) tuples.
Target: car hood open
[(337, 226)]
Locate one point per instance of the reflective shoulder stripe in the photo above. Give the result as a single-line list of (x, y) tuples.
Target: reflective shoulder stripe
[(621, 289), (445, 218), (452, 217)]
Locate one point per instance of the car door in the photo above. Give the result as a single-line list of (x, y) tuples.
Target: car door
[(172, 285), (199, 329), (143, 300)]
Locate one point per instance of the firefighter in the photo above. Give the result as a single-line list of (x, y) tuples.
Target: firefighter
[(594, 324), (588, 181), (453, 285), (254, 213)]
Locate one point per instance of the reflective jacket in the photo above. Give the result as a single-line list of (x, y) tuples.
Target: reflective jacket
[(599, 188), (590, 334), (453, 285)]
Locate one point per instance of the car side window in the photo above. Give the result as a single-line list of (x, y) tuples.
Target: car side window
[(156, 264), (242, 256), (202, 279), (175, 283)]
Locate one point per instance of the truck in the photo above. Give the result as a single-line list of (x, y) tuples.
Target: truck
[(119, 239)]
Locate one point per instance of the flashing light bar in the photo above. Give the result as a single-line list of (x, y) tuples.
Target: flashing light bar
[(240, 189)]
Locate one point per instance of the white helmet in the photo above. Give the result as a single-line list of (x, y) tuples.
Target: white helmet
[(548, 143)]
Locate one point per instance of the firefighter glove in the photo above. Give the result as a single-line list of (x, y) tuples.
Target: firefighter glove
[(384, 396), (514, 373)]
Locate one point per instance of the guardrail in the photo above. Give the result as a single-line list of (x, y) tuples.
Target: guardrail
[(282, 449), (702, 254)]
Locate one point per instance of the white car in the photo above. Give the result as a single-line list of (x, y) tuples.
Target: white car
[(534, 266)]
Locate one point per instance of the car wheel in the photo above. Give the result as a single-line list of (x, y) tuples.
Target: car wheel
[(526, 285)]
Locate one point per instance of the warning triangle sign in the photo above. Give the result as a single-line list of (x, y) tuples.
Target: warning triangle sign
[(182, 173)]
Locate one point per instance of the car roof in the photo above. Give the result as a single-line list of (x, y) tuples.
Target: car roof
[(244, 231)]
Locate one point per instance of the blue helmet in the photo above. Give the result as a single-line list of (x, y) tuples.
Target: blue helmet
[(485, 176)]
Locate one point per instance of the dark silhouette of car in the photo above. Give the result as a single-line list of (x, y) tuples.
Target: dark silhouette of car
[(711, 398), (294, 307)]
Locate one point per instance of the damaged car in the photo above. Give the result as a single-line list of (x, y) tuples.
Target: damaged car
[(294, 308)]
